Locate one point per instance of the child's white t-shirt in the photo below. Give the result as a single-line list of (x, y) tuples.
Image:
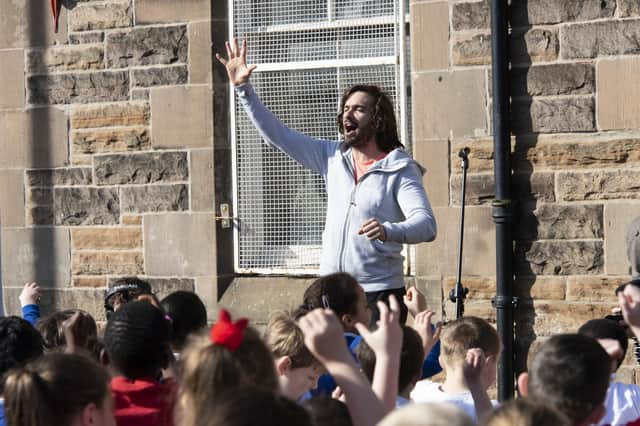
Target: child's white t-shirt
[(428, 391)]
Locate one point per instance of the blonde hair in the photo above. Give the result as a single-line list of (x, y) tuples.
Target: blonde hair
[(428, 414), (53, 389), (209, 370), (284, 338), (466, 333), (526, 412)]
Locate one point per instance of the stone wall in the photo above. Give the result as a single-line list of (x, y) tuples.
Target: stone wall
[(106, 159), (575, 144)]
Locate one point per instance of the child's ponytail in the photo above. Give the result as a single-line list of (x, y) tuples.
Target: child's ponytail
[(25, 398)]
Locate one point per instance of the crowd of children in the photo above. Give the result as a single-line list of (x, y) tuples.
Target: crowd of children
[(323, 364)]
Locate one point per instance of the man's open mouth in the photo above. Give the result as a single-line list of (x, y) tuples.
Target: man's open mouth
[(349, 128)]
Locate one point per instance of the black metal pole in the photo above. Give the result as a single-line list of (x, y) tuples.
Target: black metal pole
[(502, 206), (459, 293)]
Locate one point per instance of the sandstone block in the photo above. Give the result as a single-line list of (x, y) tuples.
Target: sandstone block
[(554, 222), (560, 257), (16, 30), (431, 155), (59, 177), (207, 289), (139, 94), (430, 27), (110, 140), (554, 79), (155, 198), (618, 217), (147, 46), (594, 289), (126, 238), (86, 37), (181, 117), (12, 78), (535, 12), (618, 91), (40, 215), (180, 244), (471, 16), (480, 155), (479, 287), (554, 115), (600, 38), (39, 138), (628, 8), (89, 281), (202, 183), (456, 104), (598, 185), (534, 45), (127, 219), (12, 197), (200, 53), (106, 115), (96, 16), (40, 196), (152, 11), (74, 206), (471, 49), (141, 168), (91, 300), (480, 188), (65, 58), (160, 76), (107, 86), (540, 287), (107, 262), (35, 254), (549, 318)]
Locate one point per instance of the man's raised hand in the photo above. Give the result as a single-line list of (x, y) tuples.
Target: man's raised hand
[(236, 63)]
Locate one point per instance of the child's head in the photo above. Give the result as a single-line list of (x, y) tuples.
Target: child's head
[(59, 389), (602, 330), (188, 315), (428, 414), (327, 411), (251, 406), (124, 290), (52, 331), (526, 412), (213, 363), (411, 358), (467, 333), (571, 373), (137, 340), (297, 368), (343, 295), (19, 343)]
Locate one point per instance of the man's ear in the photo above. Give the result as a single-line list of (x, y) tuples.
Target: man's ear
[(283, 365), (89, 414), (523, 384)]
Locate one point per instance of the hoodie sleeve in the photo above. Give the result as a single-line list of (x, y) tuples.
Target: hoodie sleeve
[(310, 152), (419, 224)]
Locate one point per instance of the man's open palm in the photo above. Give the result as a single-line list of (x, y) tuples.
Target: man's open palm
[(236, 63)]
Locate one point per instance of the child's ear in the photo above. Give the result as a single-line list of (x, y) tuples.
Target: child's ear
[(88, 414), (523, 384), (283, 365), (347, 321)]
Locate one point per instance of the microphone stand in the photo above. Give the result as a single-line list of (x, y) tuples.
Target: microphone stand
[(459, 293)]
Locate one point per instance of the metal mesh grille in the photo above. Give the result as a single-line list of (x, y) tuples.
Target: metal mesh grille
[(300, 47)]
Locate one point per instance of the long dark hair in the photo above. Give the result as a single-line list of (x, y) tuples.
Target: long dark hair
[(384, 116)]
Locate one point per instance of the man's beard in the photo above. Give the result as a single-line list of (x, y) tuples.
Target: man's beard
[(361, 137)]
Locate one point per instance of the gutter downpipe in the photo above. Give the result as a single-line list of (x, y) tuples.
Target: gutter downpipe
[(502, 208)]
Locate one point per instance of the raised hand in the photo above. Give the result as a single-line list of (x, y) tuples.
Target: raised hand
[(415, 301), (30, 294), (323, 335), (236, 63), (427, 332)]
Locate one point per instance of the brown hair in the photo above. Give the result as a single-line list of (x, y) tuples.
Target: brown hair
[(50, 327), (54, 389), (466, 333), (285, 338), (526, 412), (338, 290), (384, 116), (210, 370)]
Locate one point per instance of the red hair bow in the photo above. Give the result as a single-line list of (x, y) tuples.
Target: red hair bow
[(228, 333)]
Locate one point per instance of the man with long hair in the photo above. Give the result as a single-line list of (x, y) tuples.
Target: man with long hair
[(375, 198)]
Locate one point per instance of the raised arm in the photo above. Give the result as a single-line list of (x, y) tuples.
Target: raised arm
[(310, 152)]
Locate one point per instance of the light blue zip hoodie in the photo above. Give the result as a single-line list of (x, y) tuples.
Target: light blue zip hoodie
[(390, 191)]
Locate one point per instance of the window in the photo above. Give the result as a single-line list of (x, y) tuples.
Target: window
[(308, 52)]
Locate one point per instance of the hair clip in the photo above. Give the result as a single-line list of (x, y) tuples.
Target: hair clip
[(325, 302), (228, 333)]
